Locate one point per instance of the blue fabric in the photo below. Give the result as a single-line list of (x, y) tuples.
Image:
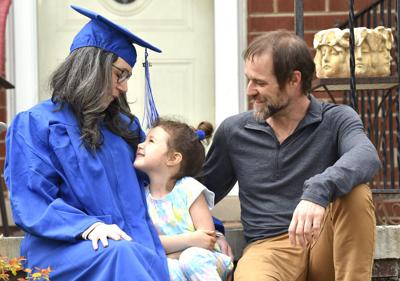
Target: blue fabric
[(150, 115), (219, 226), (103, 33), (58, 189)]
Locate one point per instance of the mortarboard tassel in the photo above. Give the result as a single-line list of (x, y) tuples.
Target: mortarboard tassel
[(150, 111)]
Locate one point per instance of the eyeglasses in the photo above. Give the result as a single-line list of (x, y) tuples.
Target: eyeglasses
[(124, 74)]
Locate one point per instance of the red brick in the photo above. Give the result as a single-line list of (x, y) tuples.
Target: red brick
[(308, 6), (313, 5), (3, 101), (340, 5), (322, 22), (285, 6), (251, 37), (3, 114), (2, 149), (259, 6), (3, 94), (309, 37), (261, 24)]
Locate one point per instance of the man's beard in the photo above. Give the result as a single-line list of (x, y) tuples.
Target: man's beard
[(267, 111)]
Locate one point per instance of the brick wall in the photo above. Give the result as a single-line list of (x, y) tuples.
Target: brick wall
[(266, 15)]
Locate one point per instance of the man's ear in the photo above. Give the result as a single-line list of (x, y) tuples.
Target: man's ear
[(295, 80), (174, 158)]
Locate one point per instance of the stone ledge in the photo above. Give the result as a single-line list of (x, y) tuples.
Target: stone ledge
[(9, 246), (387, 245), (386, 259)]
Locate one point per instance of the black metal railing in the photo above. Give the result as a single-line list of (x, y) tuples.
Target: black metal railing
[(379, 109)]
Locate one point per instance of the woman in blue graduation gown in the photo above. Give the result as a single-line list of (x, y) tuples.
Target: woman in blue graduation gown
[(69, 167)]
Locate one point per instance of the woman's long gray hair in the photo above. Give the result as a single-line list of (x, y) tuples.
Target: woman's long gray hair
[(84, 82)]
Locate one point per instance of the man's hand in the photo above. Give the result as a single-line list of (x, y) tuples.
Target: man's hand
[(306, 223), (224, 246), (104, 231)]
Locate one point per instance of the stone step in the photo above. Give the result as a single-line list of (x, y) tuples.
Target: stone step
[(387, 244), (9, 246), (386, 259)]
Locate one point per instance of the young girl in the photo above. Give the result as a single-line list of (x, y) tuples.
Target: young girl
[(178, 204)]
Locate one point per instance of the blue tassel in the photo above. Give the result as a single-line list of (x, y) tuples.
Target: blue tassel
[(150, 111)]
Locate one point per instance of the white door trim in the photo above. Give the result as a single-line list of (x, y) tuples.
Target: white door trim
[(228, 38), (25, 56)]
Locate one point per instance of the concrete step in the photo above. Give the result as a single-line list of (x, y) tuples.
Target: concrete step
[(386, 259), (9, 246), (387, 244)]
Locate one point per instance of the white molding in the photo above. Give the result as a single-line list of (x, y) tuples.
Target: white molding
[(10, 65), (242, 32), (25, 55), (230, 38), (226, 59)]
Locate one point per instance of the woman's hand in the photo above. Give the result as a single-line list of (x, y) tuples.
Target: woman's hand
[(104, 231), (204, 239)]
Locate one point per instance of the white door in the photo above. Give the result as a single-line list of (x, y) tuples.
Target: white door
[(182, 76)]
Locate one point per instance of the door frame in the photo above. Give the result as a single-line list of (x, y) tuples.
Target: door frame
[(21, 39)]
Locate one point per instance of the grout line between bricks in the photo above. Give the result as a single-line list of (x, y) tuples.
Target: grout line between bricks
[(306, 14)]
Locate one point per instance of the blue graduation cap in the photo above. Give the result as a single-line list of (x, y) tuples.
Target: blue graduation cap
[(103, 33), (5, 84)]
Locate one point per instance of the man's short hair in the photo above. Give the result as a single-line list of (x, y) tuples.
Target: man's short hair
[(288, 52)]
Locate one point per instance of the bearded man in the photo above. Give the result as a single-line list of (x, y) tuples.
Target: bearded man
[(301, 166)]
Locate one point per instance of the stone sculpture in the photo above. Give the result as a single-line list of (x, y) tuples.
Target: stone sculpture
[(372, 49)]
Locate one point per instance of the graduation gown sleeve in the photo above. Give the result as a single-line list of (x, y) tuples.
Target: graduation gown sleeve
[(34, 182)]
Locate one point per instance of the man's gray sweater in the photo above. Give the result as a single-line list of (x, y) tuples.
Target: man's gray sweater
[(325, 157)]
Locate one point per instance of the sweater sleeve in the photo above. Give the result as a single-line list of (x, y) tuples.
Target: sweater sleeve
[(218, 174), (358, 160)]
